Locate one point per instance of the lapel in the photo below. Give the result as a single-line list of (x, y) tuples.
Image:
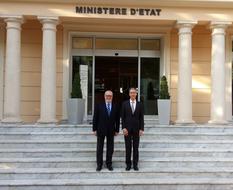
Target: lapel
[(111, 110), (105, 108), (129, 106), (136, 107)]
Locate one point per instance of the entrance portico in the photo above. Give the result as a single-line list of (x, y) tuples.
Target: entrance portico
[(178, 47)]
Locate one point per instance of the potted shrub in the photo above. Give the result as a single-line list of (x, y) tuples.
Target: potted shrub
[(164, 103), (76, 104)]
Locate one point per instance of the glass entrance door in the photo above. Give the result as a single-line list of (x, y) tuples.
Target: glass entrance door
[(149, 87), (117, 63), (117, 74)]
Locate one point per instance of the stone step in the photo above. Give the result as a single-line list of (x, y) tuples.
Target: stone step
[(88, 124), (58, 157), (118, 143), (124, 183), (118, 162), (89, 136), (118, 152), (117, 173), (88, 128), (116, 170)]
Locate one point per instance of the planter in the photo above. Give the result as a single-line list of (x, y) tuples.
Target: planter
[(164, 111), (75, 110)]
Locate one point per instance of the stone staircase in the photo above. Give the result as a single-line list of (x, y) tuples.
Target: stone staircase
[(47, 157)]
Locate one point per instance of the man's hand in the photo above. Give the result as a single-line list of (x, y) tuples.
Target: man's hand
[(125, 132), (94, 133), (116, 133), (141, 132)]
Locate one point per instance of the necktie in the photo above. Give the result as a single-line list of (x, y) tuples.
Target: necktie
[(108, 108), (132, 106)]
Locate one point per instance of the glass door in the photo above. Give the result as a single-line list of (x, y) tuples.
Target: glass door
[(117, 63), (149, 87), (83, 66), (117, 74)]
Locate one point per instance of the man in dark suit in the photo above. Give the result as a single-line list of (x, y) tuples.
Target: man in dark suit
[(106, 122), (133, 127)]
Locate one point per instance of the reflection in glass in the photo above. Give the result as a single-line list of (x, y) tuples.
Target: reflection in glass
[(84, 63), (117, 74), (150, 75)]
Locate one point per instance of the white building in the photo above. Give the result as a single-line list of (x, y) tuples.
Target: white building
[(122, 43)]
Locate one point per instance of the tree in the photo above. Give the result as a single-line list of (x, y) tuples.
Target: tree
[(163, 93), (76, 87)]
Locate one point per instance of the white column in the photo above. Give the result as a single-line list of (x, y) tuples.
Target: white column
[(228, 68), (218, 93), (2, 47), (12, 70), (48, 78), (184, 94), (65, 75)]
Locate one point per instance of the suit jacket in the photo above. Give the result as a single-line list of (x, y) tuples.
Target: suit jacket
[(103, 123), (132, 121)]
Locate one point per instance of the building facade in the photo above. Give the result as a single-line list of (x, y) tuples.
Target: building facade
[(115, 45)]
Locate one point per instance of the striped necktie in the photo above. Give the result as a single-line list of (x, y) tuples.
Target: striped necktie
[(132, 107), (108, 108)]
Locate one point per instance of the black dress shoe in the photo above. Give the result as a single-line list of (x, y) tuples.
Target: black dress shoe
[(136, 168), (128, 168), (110, 168), (99, 168)]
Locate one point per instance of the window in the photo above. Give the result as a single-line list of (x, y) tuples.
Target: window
[(82, 43), (150, 44), (116, 44)]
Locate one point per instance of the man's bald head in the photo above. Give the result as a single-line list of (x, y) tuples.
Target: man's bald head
[(108, 95), (108, 92)]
